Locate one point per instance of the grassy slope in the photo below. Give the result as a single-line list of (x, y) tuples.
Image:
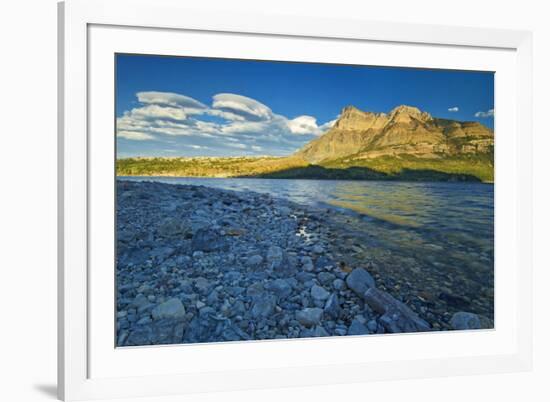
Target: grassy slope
[(468, 167)]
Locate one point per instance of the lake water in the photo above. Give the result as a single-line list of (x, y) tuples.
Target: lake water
[(435, 239)]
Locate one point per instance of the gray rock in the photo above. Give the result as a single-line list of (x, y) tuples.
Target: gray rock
[(318, 249), (316, 332), (325, 278), (140, 301), (254, 261), (357, 328), (332, 306), (396, 316), (202, 284), (285, 211), (170, 227), (310, 316), (172, 308), (255, 289), (275, 257), (125, 236), (144, 320), (464, 320), (359, 280), (319, 293), (338, 284), (263, 306), (372, 326), (307, 263), (208, 240), (280, 288)]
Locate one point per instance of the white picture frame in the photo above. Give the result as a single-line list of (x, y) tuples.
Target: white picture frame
[(81, 45)]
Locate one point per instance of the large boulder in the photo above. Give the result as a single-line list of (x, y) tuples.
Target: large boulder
[(396, 316), (359, 280), (172, 308), (464, 320)]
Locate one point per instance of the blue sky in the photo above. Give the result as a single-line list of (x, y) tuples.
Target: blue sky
[(180, 106)]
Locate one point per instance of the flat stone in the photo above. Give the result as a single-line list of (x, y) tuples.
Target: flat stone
[(172, 308), (396, 316), (263, 306), (310, 316)]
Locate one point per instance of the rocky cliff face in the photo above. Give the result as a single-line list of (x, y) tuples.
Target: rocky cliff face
[(405, 130)]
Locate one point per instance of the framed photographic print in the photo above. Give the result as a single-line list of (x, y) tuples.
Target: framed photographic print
[(241, 198)]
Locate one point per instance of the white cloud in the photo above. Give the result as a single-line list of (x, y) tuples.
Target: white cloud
[(135, 135), (237, 145), (488, 113), (303, 125), (233, 125), (169, 99), (453, 109), (150, 112), (241, 105)]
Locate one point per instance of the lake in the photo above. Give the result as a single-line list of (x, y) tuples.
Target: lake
[(430, 239)]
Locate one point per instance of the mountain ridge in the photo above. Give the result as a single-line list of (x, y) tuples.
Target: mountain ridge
[(404, 130), (404, 144)]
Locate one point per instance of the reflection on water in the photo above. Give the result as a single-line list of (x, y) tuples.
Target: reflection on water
[(435, 238)]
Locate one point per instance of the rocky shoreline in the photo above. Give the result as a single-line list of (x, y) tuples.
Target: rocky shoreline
[(198, 264)]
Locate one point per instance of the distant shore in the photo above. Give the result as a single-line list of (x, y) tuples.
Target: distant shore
[(198, 264), (398, 168)]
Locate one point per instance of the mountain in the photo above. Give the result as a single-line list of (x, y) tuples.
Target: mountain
[(405, 144), (404, 131)]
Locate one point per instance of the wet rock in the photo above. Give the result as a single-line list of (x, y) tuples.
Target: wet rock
[(396, 316), (454, 301), (307, 263), (464, 320), (359, 280)]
